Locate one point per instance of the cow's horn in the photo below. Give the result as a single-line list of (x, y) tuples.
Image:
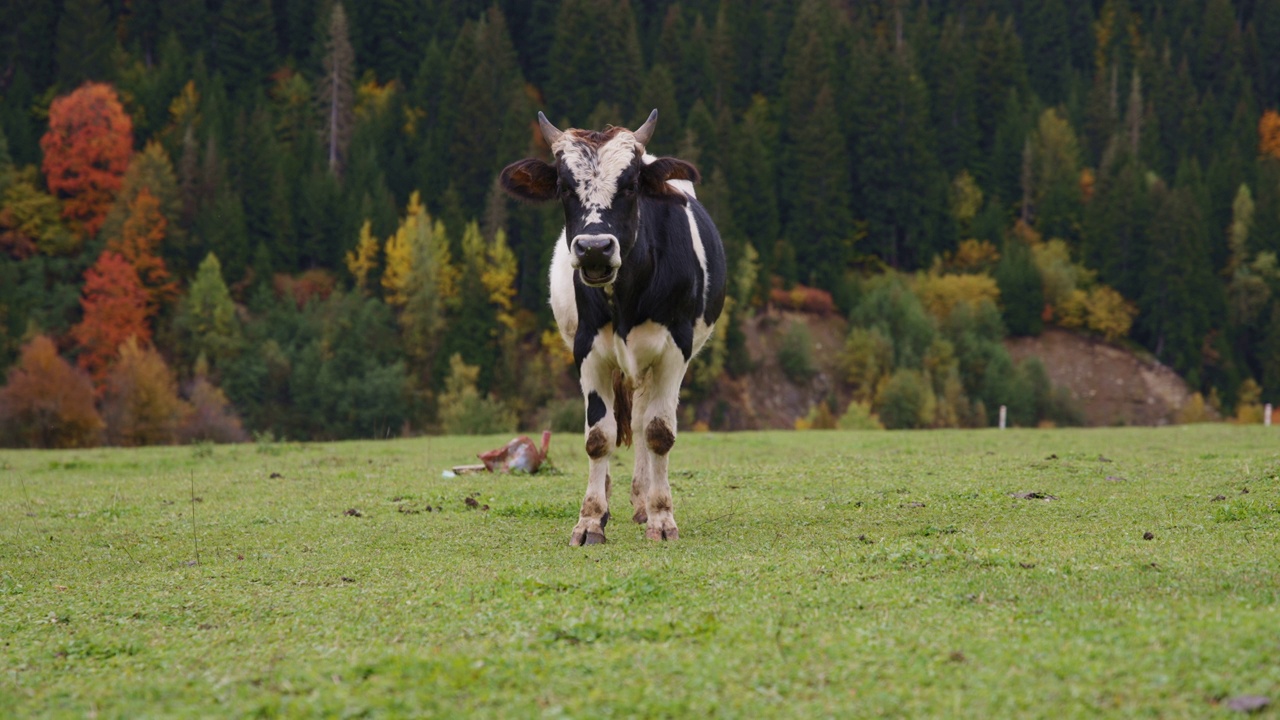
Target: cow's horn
[(645, 131), (549, 132)]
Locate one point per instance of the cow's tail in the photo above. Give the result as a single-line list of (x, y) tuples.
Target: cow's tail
[(622, 407)]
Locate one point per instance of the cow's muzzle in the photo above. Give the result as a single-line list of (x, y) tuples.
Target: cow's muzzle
[(597, 258)]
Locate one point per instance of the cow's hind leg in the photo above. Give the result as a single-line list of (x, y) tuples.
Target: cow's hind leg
[(601, 435), (662, 394)]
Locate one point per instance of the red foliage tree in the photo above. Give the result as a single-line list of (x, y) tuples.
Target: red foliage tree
[(86, 152), (47, 403), (140, 238), (115, 307)]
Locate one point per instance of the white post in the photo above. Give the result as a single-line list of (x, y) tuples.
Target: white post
[(1266, 415), (1004, 414)]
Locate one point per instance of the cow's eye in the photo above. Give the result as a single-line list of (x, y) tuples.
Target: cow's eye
[(627, 190)]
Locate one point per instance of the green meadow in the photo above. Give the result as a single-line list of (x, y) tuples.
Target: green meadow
[(1021, 573)]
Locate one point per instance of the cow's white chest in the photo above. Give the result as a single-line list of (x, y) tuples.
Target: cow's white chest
[(642, 346)]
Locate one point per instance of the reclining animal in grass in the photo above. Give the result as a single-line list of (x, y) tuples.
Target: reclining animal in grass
[(637, 284)]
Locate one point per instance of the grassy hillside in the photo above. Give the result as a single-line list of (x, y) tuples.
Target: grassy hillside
[(818, 574)]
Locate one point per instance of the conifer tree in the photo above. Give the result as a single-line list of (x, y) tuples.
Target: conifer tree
[(85, 40), (1178, 297), (1055, 176), (335, 91), (490, 123), (578, 79), (245, 45), (905, 211), (206, 320)]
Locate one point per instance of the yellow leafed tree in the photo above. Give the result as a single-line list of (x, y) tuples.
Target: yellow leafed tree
[(420, 279), (364, 258), (940, 293), (499, 278)]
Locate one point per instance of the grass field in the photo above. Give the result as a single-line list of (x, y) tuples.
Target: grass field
[(818, 574)]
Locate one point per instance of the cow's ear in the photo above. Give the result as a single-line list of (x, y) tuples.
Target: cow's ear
[(529, 179), (654, 177)]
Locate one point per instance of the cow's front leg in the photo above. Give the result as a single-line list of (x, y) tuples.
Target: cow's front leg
[(640, 470), (602, 438), (662, 394)]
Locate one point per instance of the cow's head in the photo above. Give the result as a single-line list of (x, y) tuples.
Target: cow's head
[(599, 178)]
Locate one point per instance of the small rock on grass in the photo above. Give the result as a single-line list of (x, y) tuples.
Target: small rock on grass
[(1248, 703), (1148, 535)]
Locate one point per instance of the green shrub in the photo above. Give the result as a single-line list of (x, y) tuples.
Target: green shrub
[(1064, 409), (567, 415), (795, 354), (889, 305), (858, 416), (867, 357), (906, 401), (1021, 289), (464, 412)]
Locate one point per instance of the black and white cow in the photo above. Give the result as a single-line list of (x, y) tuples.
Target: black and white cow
[(637, 283)]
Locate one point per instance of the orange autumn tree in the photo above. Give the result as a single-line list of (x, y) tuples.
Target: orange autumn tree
[(140, 237), (116, 308), (1269, 134), (46, 403), (86, 152)]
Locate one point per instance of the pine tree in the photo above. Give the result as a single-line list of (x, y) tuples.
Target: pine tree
[(1115, 223), (490, 122), (245, 45), (1178, 291), (1055, 174), (579, 81), (905, 211), (206, 320), (819, 224), (84, 42), (259, 177), (1021, 289), (951, 87), (1048, 46), (335, 91)]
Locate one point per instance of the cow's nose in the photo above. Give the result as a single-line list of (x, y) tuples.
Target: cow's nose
[(596, 249)]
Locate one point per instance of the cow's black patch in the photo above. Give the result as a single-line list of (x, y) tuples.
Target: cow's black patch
[(660, 280), (595, 408)]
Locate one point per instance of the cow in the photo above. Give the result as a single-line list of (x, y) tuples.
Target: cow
[(637, 284)]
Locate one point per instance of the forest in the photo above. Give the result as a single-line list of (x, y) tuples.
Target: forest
[(234, 219)]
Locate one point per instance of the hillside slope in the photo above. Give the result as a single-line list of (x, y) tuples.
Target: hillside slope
[(1113, 385)]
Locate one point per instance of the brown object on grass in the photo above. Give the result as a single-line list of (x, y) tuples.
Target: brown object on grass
[(519, 454)]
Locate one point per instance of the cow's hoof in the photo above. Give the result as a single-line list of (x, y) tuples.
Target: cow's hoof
[(667, 531), (578, 539), (641, 517)]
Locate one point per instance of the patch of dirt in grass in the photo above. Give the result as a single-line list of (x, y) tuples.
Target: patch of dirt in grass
[(1033, 495)]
